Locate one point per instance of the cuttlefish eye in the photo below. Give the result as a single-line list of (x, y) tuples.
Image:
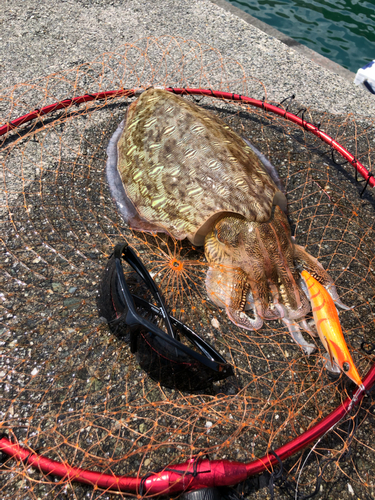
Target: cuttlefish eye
[(346, 367)]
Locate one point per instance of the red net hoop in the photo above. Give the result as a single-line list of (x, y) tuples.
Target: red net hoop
[(72, 392)]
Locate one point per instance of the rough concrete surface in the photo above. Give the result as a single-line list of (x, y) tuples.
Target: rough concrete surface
[(38, 38)]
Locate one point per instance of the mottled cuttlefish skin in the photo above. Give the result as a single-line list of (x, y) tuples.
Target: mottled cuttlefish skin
[(181, 167), (174, 167)]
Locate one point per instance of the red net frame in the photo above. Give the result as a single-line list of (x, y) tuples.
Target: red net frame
[(218, 468)]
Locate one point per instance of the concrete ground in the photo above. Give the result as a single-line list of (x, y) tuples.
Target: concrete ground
[(38, 38)]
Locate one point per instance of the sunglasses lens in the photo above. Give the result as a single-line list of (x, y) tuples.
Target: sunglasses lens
[(110, 302), (104, 300), (168, 364), (172, 367), (162, 359)]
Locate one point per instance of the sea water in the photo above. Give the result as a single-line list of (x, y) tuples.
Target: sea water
[(342, 30)]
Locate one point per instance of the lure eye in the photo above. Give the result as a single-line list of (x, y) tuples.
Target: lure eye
[(346, 367)]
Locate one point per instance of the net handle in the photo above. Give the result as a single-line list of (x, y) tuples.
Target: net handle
[(192, 474), (229, 96)]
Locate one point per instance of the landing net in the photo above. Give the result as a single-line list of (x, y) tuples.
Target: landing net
[(73, 392)]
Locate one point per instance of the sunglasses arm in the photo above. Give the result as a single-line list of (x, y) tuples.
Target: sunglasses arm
[(122, 249), (193, 337)]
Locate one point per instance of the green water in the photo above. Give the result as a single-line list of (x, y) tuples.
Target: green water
[(342, 30)]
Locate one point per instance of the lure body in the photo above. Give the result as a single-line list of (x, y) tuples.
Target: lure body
[(329, 328)]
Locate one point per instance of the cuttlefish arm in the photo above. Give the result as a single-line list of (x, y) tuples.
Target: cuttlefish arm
[(329, 329)]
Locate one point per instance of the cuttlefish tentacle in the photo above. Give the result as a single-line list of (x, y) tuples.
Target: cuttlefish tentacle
[(314, 267), (253, 283), (309, 327), (262, 305), (295, 332), (331, 289), (281, 311), (228, 289)]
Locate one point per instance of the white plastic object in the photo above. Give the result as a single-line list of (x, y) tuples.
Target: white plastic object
[(365, 77)]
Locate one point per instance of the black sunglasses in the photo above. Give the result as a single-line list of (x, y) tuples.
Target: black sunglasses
[(160, 353)]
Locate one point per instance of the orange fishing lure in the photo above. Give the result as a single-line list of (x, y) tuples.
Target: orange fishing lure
[(329, 328)]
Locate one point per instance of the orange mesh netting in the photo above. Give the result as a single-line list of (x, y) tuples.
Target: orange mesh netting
[(71, 390)]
